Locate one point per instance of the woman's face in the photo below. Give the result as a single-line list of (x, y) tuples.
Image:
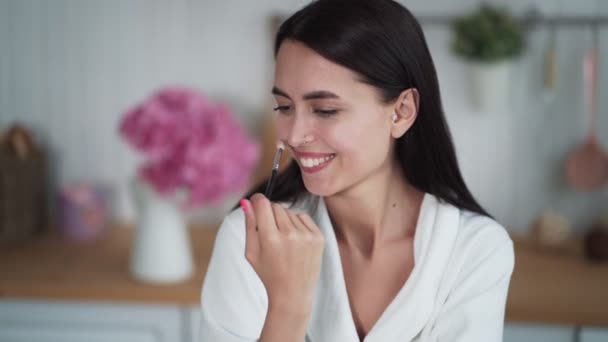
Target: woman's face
[(347, 127)]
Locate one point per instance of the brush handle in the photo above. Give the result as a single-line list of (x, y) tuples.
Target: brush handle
[(268, 190)]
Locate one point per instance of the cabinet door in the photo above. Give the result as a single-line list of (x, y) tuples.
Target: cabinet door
[(195, 323), (594, 335), (34, 321), (537, 333), (28, 333)]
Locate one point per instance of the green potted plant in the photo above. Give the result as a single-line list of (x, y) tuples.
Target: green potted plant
[(488, 39)]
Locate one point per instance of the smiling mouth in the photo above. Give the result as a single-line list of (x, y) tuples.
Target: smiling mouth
[(312, 162)]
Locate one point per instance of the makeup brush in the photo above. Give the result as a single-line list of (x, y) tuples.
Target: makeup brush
[(275, 168)]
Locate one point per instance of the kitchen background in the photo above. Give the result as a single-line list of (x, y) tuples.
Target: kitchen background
[(70, 69)]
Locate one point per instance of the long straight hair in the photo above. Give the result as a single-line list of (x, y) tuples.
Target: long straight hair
[(382, 42)]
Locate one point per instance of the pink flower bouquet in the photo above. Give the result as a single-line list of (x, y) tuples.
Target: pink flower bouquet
[(190, 144)]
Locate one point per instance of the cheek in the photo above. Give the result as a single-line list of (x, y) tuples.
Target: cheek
[(343, 140), (359, 137), (282, 127), (364, 146)]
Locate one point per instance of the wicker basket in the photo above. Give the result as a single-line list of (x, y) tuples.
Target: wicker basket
[(24, 207)]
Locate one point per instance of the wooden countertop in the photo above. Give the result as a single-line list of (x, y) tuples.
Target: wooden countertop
[(557, 287), (54, 268), (545, 288)]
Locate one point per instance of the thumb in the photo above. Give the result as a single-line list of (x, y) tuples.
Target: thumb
[(252, 244)]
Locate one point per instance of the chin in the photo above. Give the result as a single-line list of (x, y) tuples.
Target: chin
[(319, 189)]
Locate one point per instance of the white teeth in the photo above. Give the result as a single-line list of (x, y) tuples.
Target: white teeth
[(311, 162)]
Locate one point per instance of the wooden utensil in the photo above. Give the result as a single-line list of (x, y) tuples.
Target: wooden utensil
[(550, 70)]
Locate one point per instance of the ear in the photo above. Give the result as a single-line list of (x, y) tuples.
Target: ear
[(406, 108)]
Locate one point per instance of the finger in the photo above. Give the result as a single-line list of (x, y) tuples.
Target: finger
[(251, 237), (281, 218), (309, 223), (263, 214), (296, 222)]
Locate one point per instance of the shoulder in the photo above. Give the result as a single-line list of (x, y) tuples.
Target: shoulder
[(481, 232), (231, 233), (482, 246), (474, 284), (233, 223), (233, 298)]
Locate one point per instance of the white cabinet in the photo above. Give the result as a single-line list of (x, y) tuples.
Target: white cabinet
[(195, 323), (594, 335), (61, 321), (34, 321), (28, 333), (538, 333)]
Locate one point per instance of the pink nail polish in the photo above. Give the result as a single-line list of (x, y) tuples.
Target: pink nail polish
[(243, 203)]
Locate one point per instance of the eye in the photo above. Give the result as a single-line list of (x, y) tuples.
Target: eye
[(326, 112), (282, 109)]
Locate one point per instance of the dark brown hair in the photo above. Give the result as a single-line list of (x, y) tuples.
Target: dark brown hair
[(383, 43)]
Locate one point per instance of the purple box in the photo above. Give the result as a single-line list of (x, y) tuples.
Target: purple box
[(82, 211)]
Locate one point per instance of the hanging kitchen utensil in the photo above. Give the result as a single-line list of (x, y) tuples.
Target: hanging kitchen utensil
[(550, 75), (587, 165)]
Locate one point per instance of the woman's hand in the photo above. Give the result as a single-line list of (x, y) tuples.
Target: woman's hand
[(285, 250)]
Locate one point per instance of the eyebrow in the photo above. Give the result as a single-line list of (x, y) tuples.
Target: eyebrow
[(313, 95)]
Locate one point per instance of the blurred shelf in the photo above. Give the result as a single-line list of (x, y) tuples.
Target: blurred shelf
[(557, 287), (53, 268), (552, 288)]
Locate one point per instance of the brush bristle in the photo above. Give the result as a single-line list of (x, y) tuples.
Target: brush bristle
[(280, 145)]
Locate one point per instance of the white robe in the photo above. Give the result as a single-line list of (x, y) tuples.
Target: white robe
[(456, 291)]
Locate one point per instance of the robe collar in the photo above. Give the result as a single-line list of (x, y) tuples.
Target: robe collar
[(331, 318)]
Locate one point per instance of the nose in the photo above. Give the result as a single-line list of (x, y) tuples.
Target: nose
[(300, 131)]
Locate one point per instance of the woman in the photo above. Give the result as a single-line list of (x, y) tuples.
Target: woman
[(371, 233)]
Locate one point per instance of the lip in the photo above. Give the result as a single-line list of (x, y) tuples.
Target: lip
[(310, 154), (313, 169), (316, 168)]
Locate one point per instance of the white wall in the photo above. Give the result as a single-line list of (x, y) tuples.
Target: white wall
[(69, 69)]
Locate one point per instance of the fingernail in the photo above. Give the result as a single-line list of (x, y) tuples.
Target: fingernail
[(243, 203)]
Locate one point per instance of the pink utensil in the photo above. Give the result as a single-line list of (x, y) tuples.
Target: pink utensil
[(587, 165)]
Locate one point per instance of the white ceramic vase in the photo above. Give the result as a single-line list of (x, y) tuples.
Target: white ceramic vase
[(490, 86), (161, 251)]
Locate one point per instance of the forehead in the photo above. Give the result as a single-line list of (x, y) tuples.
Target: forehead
[(299, 68)]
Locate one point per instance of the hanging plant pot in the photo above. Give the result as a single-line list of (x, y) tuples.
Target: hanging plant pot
[(490, 85), (488, 39)]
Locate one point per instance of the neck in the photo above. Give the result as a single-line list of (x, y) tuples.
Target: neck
[(382, 209)]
